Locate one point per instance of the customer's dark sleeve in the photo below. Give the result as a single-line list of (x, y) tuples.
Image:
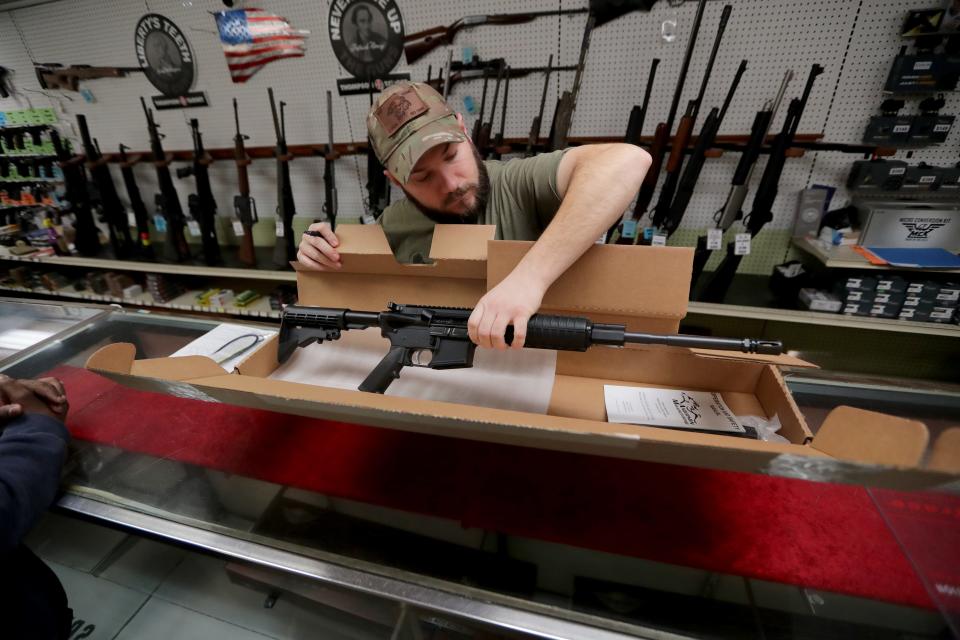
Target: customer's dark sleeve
[(32, 451)]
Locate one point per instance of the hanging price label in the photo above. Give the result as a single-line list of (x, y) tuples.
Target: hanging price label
[(742, 244), (629, 229), (194, 227), (279, 228), (131, 220), (714, 239), (659, 240), (160, 223), (238, 229)]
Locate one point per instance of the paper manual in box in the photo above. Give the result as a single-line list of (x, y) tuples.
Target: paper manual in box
[(644, 288)]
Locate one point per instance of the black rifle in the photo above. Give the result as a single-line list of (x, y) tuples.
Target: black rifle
[(620, 233), (483, 141), (498, 139), (478, 123), (378, 189), (441, 332), (762, 211), (145, 248), (284, 251), (429, 39), (244, 206), (661, 136), (167, 202), (329, 177), (691, 172), (533, 138), (479, 70), (732, 208), (87, 238), (684, 132), (202, 205), (113, 212), (563, 114)]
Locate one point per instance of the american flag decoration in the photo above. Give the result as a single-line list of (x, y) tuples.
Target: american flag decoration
[(252, 38)]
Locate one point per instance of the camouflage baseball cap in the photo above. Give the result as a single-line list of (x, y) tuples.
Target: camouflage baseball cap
[(406, 120)]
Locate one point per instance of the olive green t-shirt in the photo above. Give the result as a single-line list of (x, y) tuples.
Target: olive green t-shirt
[(523, 200)]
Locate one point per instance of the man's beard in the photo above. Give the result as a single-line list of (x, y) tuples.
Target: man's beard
[(471, 215)]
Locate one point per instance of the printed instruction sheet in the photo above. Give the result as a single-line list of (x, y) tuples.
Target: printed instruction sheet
[(700, 410)]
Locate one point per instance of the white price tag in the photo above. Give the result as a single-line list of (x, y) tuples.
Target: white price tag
[(659, 240), (279, 228), (742, 244), (238, 228), (131, 220), (714, 239), (194, 228)]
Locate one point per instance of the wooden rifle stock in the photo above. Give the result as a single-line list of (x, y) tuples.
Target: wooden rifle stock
[(649, 185)]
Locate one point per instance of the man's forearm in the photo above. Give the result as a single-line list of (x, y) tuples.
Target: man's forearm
[(601, 186)]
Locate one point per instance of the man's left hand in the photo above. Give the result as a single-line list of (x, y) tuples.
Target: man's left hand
[(511, 302)]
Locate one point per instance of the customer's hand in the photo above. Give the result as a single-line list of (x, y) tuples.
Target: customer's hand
[(44, 396), (318, 248)]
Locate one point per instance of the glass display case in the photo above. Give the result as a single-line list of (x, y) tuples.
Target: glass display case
[(491, 540)]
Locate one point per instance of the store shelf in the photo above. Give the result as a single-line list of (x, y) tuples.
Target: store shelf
[(826, 319), (158, 267), (844, 257), (259, 308)]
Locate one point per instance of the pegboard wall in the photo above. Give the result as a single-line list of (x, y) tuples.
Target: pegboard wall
[(855, 40)]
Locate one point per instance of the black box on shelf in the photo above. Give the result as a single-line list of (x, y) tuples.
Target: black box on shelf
[(858, 283), (859, 296), (948, 295), (891, 284), (884, 310), (926, 288), (857, 308), (889, 298)]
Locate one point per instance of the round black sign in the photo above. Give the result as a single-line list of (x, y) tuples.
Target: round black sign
[(165, 55), (367, 36)]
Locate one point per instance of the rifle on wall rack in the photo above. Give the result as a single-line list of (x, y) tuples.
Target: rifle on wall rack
[(733, 205), (202, 205), (329, 176), (684, 131), (145, 248), (175, 248), (498, 139), (533, 138), (563, 114), (244, 206), (661, 136), (284, 250), (762, 211), (113, 211), (87, 238), (625, 231)]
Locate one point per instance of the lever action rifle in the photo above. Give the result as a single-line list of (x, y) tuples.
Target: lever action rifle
[(533, 138), (202, 205), (244, 206), (621, 232), (145, 248), (87, 238), (478, 72), (661, 136), (329, 177), (167, 202), (56, 76), (691, 172), (563, 114), (436, 337), (732, 208), (762, 212), (284, 251), (684, 132), (423, 42), (113, 212), (478, 123)]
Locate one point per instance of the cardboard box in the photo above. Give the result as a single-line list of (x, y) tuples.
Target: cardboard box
[(644, 288)]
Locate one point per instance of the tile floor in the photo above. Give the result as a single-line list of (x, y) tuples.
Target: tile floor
[(128, 588)]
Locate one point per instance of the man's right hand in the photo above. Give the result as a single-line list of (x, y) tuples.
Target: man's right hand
[(319, 251), (44, 396)]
